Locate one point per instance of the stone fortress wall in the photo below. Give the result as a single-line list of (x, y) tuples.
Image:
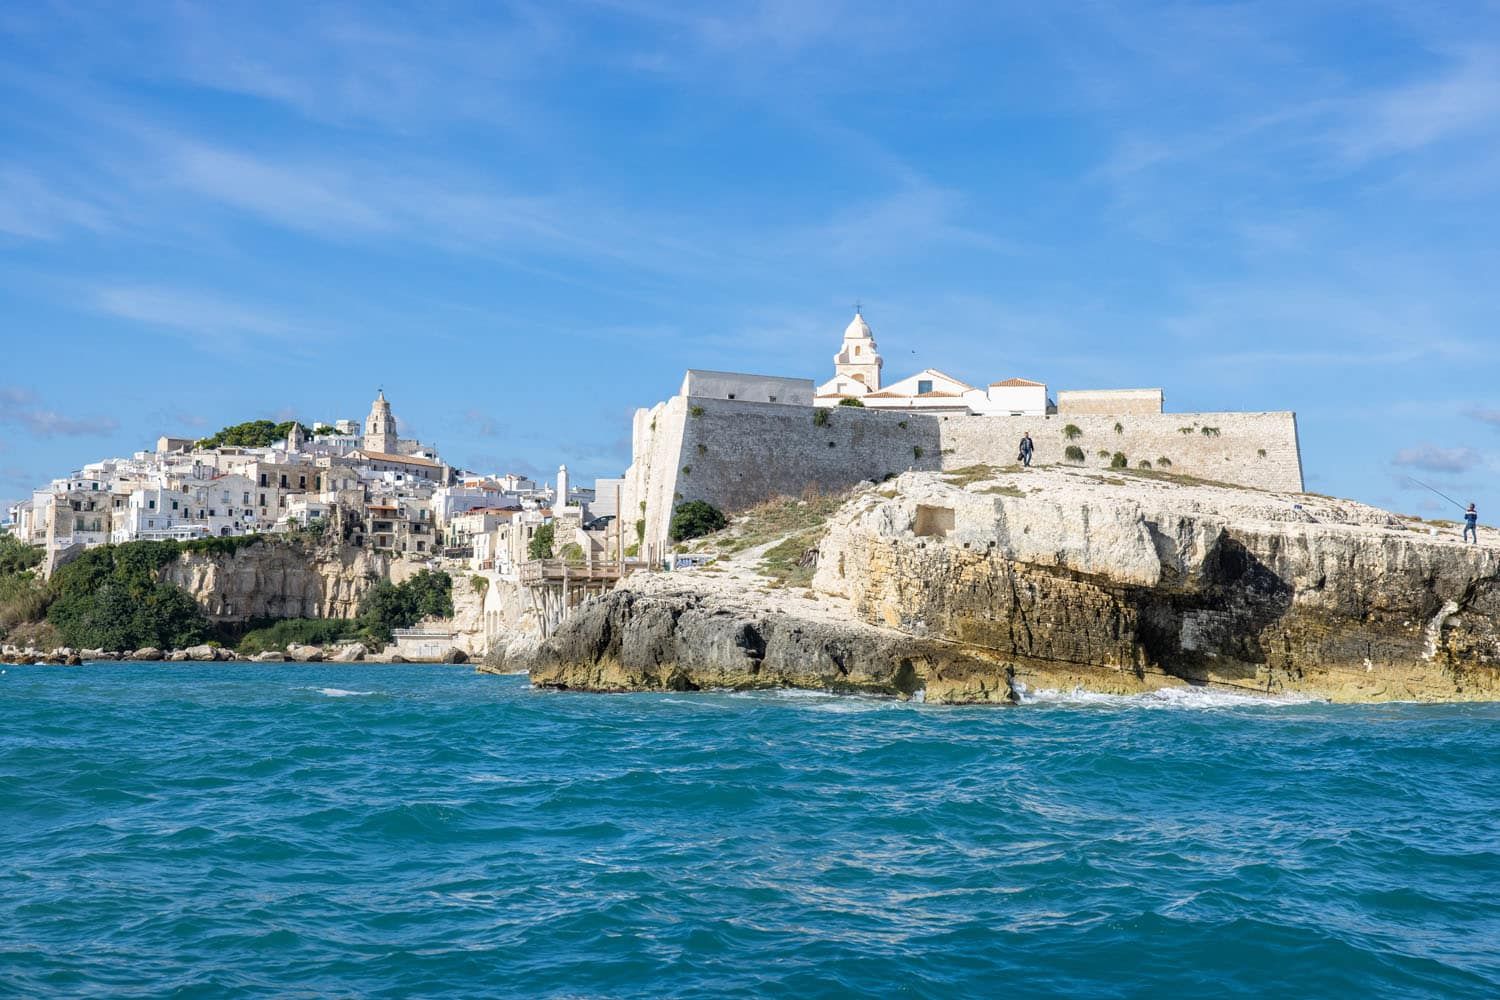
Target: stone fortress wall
[(734, 454)]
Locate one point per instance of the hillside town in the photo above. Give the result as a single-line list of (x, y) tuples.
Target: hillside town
[(389, 494)]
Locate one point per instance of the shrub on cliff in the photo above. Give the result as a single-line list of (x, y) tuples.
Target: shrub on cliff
[(540, 546), (110, 598), (695, 519), (16, 556), (390, 606), (23, 596), (305, 631)]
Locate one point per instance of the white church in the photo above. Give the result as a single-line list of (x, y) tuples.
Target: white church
[(857, 375)]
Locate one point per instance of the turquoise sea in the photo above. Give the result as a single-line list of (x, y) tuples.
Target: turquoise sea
[(400, 831)]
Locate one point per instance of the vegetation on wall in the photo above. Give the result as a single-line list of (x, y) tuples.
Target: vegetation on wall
[(1209, 432), (851, 401), (1072, 432), (110, 598), (694, 519), (916, 451), (22, 593), (1164, 462), (540, 546), (693, 411), (1118, 460), (1073, 453), (820, 417), (571, 553), (1119, 428), (390, 606)]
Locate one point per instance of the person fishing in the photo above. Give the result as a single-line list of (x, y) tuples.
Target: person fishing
[(1026, 449), (1471, 525)]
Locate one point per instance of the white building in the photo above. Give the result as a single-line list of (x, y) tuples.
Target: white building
[(858, 372)]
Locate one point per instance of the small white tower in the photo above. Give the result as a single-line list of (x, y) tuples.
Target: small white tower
[(380, 427), (857, 359), (562, 490)]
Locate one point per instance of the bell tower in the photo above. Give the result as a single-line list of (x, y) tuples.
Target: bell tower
[(858, 360), (380, 427)]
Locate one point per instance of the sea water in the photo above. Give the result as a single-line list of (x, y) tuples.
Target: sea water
[(320, 831)]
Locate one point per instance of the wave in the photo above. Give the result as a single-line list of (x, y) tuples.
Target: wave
[(1185, 697), (340, 692)]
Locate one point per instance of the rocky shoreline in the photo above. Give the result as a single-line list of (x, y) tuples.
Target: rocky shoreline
[(295, 653), (972, 587)]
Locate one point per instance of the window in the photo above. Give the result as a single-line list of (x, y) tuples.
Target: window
[(151, 504), (283, 482), (924, 386), (262, 482), (302, 482), (262, 499), (174, 504), (772, 398), (856, 350), (247, 497)]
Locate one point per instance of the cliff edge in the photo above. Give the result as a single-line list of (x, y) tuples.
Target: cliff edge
[(972, 586)]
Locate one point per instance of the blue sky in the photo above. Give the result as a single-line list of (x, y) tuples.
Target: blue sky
[(524, 220)]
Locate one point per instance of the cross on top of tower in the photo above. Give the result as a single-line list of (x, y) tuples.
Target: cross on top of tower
[(857, 306)]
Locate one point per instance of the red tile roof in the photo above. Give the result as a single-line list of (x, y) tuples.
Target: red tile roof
[(1017, 383)]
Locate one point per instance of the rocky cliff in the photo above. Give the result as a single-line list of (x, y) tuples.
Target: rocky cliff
[(279, 579), (971, 587)]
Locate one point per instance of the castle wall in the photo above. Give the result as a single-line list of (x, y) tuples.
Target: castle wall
[(734, 454), (1248, 449), (1109, 402)]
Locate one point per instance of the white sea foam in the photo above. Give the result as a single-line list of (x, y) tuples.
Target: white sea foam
[(341, 693), (1171, 697)]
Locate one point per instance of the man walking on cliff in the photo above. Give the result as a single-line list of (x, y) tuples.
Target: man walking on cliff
[(1471, 525), (1026, 449)]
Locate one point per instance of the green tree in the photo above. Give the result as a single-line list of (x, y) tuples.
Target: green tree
[(111, 598), (540, 546), (694, 519), (16, 555), (251, 434), (390, 606), (851, 401)]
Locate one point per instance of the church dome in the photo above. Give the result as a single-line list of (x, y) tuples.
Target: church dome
[(858, 329)]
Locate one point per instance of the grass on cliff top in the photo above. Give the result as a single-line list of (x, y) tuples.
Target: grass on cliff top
[(971, 474), (775, 519), (1180, 478), (788, 563)]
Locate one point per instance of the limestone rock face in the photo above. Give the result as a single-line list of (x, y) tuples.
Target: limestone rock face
[(973, 588), (351, 653), (1208, 584), (146, 653), (305, 654), (278, 579), (661, 638)]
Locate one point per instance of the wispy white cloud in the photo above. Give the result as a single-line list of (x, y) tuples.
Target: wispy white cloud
[(206, 322), (1484, 414), (1434, 458), (1462, 99), (21, 407), (34, 209)]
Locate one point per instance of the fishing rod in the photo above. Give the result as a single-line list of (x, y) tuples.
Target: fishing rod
[(1440, 493)]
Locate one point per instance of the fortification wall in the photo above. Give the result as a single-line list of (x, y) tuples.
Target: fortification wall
[(1247, 449), (734, 454)]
